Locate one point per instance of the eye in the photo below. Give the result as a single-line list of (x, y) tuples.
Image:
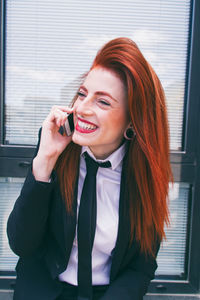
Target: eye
[(81, 94), (104, 102)]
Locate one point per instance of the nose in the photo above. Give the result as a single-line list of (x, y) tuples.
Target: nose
[(84, 107)]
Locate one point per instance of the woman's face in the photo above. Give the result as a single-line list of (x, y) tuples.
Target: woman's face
[(100, 112)]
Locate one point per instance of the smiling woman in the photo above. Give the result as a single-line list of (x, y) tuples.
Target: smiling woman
[(91, 214), (101, 103)]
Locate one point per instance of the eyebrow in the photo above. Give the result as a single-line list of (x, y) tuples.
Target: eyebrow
[(101, 93)]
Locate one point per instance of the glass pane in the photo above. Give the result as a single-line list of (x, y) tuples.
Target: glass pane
[(9, 191), (49, 44), (171, 257)]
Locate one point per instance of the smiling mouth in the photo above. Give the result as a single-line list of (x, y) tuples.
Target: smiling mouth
[(85, 127)]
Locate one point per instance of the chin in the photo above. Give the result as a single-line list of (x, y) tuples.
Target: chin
[(79, 140)]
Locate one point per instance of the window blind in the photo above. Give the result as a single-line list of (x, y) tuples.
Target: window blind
[(49, 44), (9, 189), (171, 257)]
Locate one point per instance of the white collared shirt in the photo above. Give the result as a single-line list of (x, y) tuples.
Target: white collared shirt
[(108, 191)]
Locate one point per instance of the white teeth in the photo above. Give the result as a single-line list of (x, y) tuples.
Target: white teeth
[(86, 125)]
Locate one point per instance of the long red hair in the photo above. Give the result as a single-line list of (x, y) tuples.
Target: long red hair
[(148, 167)]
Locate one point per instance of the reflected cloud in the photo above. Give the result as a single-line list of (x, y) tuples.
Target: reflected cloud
[(92, 43), (148, 37), (50, 76)]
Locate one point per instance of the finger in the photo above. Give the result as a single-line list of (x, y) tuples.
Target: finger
[(63, 108), (58, 121), (59, 118), (56, 111), (56, 114)]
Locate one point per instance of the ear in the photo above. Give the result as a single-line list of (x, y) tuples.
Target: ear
[(130, 125), (129, 133)]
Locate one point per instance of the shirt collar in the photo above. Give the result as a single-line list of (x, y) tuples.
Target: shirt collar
[(115, 158)]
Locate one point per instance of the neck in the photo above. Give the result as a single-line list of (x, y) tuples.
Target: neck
[(102, 154)]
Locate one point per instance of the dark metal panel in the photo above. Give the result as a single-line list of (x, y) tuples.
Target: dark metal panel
[(182, 157), (194, 133), (17, 151), (2, 59), (17, 166), (184, 172), (193, 91), (14, 167), (156, 286), (28, 151), (194, 253), (7, 282), (171, 287)]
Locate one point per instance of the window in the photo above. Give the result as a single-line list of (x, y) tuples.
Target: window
[(46, 47)]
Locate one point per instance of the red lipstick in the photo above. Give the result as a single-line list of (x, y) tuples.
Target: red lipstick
[(88, 122), (81, 129)]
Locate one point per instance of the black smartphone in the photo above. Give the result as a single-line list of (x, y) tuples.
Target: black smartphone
[(69, 125)]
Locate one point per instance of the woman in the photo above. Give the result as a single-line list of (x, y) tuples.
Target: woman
[(119, 116)]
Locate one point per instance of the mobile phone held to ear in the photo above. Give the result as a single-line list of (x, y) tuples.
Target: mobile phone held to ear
[(69, 125)]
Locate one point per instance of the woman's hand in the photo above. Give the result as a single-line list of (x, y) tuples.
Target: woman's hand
[(52, 143)]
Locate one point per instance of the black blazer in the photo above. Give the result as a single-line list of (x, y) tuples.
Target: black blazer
[(41, 233)]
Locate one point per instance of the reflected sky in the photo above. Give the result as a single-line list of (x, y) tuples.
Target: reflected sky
[(50, 43)]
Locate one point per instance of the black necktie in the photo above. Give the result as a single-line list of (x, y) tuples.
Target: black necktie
[(87, 227)]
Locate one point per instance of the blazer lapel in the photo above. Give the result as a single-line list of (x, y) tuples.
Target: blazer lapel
[(124, 225), (63, 224)]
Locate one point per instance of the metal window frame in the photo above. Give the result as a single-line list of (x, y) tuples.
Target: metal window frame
[(186, 167), (185, 163)]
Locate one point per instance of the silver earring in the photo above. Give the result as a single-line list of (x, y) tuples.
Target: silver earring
[(129, 134)]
